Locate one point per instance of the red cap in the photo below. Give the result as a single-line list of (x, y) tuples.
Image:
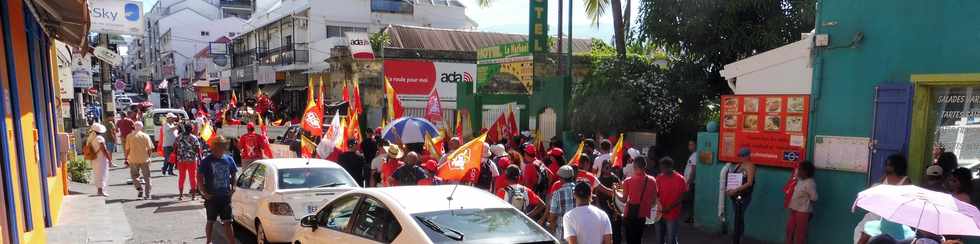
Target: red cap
[(377, 131), (250, 126), (431, 165), (556, 152), (503, 162), (530, 149)]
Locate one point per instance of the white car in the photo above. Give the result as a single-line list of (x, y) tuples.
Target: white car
[(419, 214), (272, 195)]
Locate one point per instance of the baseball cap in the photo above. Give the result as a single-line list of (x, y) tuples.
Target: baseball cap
[(934, 170), (556, 152), (566, 172), (744, 152), (530, 150), (582, 189), (250, 126)]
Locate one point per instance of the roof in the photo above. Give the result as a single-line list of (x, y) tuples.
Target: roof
[(426, 38), (292, 163), (422, 199)]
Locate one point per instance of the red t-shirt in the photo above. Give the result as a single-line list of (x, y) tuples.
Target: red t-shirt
[(586, 176), (534, 198), (529, 175), (387, 169), (254, 146), (554, 187), (126, 126), (633, 189), (499, 183), (553, 166), (671, 188)]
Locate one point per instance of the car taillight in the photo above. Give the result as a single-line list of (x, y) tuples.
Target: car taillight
[(280, 208)]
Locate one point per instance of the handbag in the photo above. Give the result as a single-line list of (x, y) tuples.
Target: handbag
[(634, 208)]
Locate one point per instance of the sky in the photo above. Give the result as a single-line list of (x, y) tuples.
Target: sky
[(511, 16)]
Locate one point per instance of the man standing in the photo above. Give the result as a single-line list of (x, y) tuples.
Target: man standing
[(689, 173), (138, 148), (410, 173), (585, 223), (604, 155), (168, 138), (126, 126), (561, 200), (369, 147), (671, 187), (640, 191), (353, 162), (217, 173), (253, 146)]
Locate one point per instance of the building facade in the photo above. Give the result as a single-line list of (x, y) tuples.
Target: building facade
[(32, 161)]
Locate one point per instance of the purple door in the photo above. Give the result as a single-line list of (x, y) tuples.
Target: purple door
[(893, 107)]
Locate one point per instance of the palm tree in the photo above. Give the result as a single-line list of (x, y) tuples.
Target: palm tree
[(596, 9)]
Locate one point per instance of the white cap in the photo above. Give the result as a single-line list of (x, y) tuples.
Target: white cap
[(98, 128), (633, 153), (498, 150), (171, 115)]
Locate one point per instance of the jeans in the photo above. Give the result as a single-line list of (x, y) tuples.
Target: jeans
[(740, 204), (796, 227), (135, 171), (617, 229), (667, 230), (634, 230), (168, 166)]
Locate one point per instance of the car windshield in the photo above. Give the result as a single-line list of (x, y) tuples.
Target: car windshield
[(313, 178), (499, 225)]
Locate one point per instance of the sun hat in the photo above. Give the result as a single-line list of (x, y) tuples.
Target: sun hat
[(98, 128), (394, 152)]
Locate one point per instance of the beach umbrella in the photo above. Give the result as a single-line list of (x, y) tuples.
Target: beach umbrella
[(935, 212), (408, 130)]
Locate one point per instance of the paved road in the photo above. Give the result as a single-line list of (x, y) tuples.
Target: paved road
[(163, 219)]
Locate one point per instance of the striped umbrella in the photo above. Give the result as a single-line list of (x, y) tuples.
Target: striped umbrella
[(408, 130)]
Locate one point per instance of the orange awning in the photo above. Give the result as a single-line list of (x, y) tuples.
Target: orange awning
[(65, 20)]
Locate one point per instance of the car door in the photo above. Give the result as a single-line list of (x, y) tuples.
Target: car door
[(374, 223), (252, 195), (333, 221), (238, 199)]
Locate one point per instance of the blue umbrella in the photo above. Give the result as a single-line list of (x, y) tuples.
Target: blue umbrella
[(409, 130)]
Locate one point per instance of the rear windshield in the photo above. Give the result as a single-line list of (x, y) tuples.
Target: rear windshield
[(499, 225), (158, 118), (314, 177)]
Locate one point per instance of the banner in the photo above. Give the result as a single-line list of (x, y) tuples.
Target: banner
[(773, 127), (505, 69), (116, 17), (360, 45), (67, 84), (81, 70), (538, 37), (416, 78)]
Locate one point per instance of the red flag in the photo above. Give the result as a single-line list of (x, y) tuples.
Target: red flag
[(344, 94), (512, 122), (464, 159), (433, 108), (617, 153), (497, 130), (357, 99), (395, 109), (313, 115)]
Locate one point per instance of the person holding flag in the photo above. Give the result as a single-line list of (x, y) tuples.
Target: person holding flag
[(395, 109), (463, 160), (253, 146)]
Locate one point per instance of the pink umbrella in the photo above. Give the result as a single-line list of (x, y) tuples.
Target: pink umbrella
[(935, 212)]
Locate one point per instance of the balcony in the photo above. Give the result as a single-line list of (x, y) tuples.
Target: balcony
[(242, 4), (297, 53), (392, 6)]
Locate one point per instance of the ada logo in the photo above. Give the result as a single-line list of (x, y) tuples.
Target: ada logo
[(455, 77), (791, 156), (132, 11)]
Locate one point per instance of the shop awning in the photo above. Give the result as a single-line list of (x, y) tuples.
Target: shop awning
[(65, 20)]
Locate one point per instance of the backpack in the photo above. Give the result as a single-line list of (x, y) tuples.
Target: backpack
[(544, 179), (88, 152), (485, 179), (517, 196)]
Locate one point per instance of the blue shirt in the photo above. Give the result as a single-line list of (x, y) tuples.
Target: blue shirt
[(562, 200), (217, 172)]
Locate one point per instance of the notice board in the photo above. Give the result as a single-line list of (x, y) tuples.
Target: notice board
[(841, 153), (773, 127)]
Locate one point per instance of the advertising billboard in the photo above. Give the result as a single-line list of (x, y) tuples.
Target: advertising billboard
[(505, 69), (773, 127), (116, 17), (415, 79)]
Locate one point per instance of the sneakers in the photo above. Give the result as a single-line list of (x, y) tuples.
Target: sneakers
[(140, 195)]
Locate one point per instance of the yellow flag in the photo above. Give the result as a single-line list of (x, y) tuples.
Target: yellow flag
[(578, 154)]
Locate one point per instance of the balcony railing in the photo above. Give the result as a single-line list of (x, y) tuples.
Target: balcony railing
[(392, 6), (236, 4)]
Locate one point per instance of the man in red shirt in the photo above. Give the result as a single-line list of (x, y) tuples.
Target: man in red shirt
[(531, 166), (640, 191), (126, 125), (671, 187), (392, 163), (520, 197), (253, 146)]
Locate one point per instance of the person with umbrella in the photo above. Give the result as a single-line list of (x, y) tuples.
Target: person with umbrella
[(896, 167)]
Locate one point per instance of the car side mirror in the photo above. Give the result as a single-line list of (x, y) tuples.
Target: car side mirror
[(308, 221)]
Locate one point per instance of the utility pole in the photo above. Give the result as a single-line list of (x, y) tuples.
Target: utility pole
[(105, 77)]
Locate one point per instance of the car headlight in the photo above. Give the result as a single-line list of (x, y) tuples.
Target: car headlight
[(280, 208)]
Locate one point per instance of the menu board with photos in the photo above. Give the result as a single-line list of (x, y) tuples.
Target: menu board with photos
[(773, 127)]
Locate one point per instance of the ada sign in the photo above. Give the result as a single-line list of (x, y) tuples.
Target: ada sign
[(360, 45), (116, 17)]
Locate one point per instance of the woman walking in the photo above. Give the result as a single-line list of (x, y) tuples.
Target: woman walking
[(189, 150), (100, 165)]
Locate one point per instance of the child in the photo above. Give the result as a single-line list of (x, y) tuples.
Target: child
[(801, 205)]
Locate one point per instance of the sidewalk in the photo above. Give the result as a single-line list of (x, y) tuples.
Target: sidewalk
[(86, 218), (690, 234)]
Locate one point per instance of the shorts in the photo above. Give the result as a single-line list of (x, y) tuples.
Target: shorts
[(218, 206)]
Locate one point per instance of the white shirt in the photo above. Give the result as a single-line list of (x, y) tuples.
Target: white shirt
[(377, 161), (598, 161), (169, 134), (692, 162), (588, 224)]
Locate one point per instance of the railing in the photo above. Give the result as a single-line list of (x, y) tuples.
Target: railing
[(392, 6), (236, 3)]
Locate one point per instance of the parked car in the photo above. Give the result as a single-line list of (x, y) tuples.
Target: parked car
[(153, 119), (272, 195), (419, 214)]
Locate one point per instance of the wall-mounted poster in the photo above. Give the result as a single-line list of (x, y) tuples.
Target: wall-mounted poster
[(773, 127), (505, 69)]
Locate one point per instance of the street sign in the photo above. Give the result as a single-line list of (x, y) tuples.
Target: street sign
[(218, 48), (120, 85), (108, 56), (116, 17), (220, 60)]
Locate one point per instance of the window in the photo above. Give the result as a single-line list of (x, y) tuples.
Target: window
[(314, 177), (375, 222), (258, 179), (245, 179), (205, 33), (338, 214), (481, 226), (338, 31)]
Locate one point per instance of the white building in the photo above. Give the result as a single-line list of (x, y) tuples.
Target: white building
[(296, 36)]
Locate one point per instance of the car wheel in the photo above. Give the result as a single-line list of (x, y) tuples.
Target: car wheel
[(260, 237)]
